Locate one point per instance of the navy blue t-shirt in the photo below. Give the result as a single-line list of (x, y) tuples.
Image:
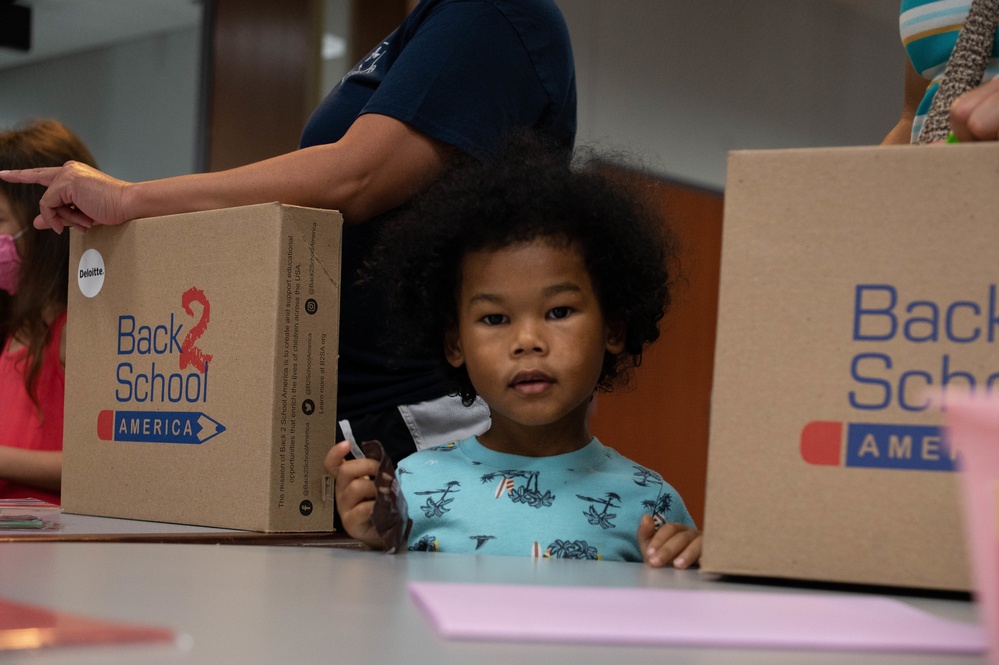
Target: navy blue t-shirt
[(465, 72)]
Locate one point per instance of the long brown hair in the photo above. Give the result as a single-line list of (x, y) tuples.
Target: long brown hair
[(42, 283)]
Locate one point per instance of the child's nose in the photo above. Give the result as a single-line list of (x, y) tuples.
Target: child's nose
[(529, 339)]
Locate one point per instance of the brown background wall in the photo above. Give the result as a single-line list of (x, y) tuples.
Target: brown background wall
[(263, 71), (661, 419), (262, 77)]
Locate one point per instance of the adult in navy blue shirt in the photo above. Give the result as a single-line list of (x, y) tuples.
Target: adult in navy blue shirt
[(454, 78), (463, 73)]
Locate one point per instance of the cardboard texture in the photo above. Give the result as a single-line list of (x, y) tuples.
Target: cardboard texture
[(202, 368), (854, 282)]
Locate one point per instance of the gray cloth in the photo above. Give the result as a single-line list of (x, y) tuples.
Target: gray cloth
[(443, 420)]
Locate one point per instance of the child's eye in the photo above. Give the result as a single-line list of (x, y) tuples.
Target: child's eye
[(559, 312), (493, 319)]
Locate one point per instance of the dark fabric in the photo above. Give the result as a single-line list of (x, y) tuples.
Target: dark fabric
[(465, 72)]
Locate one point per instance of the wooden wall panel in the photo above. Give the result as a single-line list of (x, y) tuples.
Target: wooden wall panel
[(263, 70), (262, 77), (371, 21), (661, 418)]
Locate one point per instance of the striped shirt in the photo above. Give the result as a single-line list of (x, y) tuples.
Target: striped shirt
[(929, 29)]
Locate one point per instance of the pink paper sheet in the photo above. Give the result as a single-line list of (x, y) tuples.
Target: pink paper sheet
[(973, 429), (612, 615)]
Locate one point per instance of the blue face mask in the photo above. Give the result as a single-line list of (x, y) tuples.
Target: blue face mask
[(10, 262)]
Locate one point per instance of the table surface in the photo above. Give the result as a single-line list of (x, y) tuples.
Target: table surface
[(86, 528), (264, 604), (73, 525)]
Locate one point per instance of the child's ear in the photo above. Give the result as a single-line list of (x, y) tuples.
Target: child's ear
[(616, 331), (452, 348)]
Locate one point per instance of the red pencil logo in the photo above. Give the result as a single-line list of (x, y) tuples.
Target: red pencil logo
[(876, 446)]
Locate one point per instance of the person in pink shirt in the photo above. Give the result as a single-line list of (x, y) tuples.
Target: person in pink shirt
[(33, 287)]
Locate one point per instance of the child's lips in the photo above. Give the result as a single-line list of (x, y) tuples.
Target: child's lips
[(531, 382)]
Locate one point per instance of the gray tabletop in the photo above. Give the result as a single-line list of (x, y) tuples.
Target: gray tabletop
[(85, 528), (260, 604)]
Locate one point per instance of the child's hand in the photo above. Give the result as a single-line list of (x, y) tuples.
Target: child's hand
[(354, 493), (678, 544)]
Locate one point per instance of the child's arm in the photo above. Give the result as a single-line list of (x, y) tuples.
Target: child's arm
[(41, 468), (674, 543), (354, 492)]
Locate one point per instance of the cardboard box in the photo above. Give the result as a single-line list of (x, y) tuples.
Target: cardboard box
[(202, 368), (854, 281)]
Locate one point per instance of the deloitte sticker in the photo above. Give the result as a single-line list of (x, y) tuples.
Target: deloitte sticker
[(91, 273)]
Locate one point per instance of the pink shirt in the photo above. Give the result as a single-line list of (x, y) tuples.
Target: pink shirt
[(21, 425)]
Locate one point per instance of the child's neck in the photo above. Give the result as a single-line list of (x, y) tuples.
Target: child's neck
[(559, 438)]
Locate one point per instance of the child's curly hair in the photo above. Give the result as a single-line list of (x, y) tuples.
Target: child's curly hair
[(532, 189)]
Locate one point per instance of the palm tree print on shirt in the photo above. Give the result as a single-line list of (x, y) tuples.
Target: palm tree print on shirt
[(601, 518), (659, 508), (436, 508), (425, 544), (528, 493), (644, 477), (572, 549)]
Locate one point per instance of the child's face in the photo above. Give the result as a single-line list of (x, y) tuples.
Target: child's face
[(531, 333), (10, 224)]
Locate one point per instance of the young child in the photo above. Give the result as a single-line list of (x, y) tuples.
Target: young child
[(536, 284), (33, 283)]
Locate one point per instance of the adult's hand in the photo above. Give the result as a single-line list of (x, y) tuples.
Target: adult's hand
[(77, 195), (974, 116)]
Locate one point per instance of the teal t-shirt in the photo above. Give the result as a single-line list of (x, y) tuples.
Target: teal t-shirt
[(464, 497)]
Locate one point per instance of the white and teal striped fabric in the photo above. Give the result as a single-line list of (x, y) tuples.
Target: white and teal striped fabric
[(929, 29)]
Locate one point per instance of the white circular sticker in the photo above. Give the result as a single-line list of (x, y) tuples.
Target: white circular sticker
[(91, 273)]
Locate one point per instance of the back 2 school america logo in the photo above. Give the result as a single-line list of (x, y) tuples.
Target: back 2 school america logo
[(162, 378), (883, 380), (876, 446)]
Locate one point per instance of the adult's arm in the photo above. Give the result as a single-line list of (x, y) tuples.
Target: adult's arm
[(379, 164), (914, 89)]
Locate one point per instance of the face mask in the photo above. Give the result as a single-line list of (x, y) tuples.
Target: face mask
[(10, 262)]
